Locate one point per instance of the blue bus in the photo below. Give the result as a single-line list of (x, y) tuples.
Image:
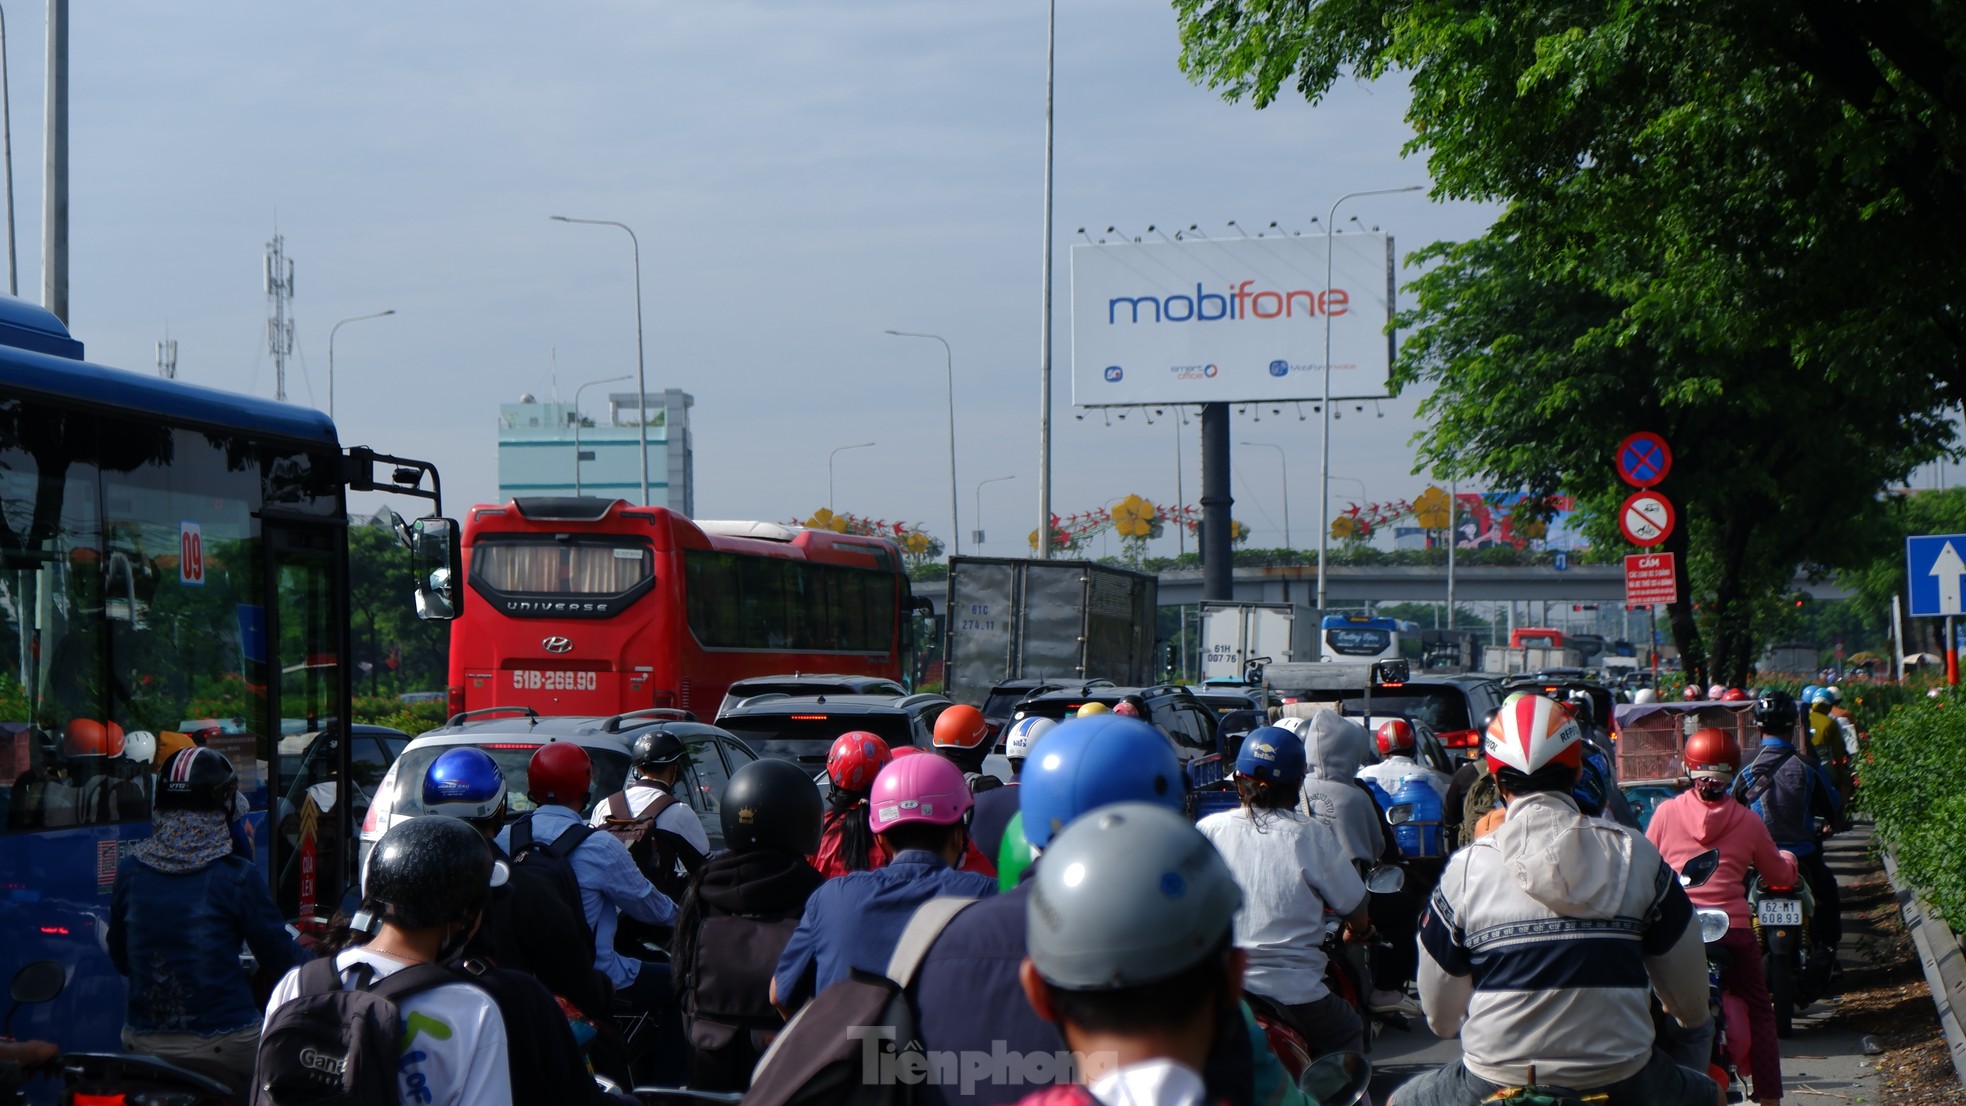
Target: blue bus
[(1352, 637), (173, 571)]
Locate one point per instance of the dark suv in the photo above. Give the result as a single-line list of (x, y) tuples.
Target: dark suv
[(1001, 703), (1175, 710), (1452, 706), (802, 728)]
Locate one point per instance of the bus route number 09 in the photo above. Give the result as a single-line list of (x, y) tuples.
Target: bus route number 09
[(529, 680)]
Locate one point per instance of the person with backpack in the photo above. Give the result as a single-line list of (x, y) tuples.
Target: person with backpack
[(740, 912), (658, 826), (967, 994), (847, 842), (994, 807), (388, 1021), (1132, 955), (1791, 795), (921, 806), (181, 905)]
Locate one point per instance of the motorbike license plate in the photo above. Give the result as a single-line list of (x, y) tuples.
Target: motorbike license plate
[(1780, 912)]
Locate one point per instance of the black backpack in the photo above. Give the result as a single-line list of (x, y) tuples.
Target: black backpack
[(332, 1045), (552, 864), (818, 1059)]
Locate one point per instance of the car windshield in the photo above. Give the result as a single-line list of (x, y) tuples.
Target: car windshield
[(806, 738), (1443, 708), (999, 704), (610, 772)]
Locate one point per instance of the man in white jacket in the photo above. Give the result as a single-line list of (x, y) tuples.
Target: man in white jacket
[(1547, 937)]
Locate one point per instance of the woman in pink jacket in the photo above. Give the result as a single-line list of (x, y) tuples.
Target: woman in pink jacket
[(1707, 817)]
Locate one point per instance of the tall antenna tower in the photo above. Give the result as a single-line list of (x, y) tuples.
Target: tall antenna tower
[(167, 359), (279, 328)]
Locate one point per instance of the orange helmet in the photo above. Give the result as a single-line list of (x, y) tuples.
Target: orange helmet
[(1395, 738), (86, 737), (961, 727), (1712, 754)]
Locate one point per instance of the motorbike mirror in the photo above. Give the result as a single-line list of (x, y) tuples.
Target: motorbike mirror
[(1339, 1079), (38, 981), (1385, 879), (1713, 925), (1399, 813), (1699, 869)]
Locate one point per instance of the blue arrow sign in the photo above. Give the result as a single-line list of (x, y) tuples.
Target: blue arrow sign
[(1935, 571), (1562, 560)]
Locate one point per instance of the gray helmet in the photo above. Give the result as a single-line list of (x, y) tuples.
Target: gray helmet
[(657, 748), (1129, 894), (430, 871)]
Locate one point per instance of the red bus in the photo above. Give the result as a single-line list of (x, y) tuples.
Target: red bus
[(592, 606)]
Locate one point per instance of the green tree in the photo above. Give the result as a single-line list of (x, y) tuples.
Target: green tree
[(385, 622), (1735, 224)]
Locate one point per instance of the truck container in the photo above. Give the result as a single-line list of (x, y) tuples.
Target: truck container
[(1063, 620), (1235, 634)]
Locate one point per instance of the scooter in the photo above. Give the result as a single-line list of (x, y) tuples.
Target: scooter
[(1731, 1029), (1782, 923), (1346, 971), (115, 1078)]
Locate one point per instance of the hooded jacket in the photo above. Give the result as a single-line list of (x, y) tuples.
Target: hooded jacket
[(1544, 942), (1683, 827), (1334, 750)]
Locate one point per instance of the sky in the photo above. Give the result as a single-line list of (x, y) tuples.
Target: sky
[(802, 177)]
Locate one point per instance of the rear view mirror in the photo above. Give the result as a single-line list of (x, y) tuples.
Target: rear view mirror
[(37, 981), (436, 568), (1339, 1079), (1700, 869), (1386, 879)]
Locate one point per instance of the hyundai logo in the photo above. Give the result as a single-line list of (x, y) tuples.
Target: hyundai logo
[(557, 644)]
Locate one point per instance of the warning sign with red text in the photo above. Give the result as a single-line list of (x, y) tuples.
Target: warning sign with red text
[(1650, 580)]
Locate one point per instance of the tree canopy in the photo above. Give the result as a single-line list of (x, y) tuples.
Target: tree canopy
[(1735, 224)]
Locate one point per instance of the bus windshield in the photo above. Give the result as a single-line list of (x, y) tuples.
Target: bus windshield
[(586, 566)]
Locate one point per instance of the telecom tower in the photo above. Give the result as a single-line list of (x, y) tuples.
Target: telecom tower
[(279, 328), (167, 359)]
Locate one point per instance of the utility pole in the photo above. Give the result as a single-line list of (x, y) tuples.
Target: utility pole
[(279, 328), (54, 190), (167, 359)]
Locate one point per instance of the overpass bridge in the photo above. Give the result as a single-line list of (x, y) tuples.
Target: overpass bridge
[(1354, 585)]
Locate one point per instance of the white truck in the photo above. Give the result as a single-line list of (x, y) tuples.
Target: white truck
[(1235, 634)]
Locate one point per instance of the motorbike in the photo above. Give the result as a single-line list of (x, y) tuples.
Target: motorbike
[(114, 1078), (1782, 917), (1347, 972), (1291, 1050), (1339, 1079), (1532, 1093), (1728, 1055)]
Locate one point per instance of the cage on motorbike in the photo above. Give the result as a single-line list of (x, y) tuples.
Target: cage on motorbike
[(1651, 736)]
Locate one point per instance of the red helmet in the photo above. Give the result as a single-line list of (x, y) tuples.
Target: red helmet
[(86, 737), (560, 772), (1712, 754), (1733, 695), (1530, 733), (961, 727), (856, 758), (905, 751), (1692, 693), (1396, 738)]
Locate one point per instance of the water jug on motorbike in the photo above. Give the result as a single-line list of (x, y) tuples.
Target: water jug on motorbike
[(1414, 810)]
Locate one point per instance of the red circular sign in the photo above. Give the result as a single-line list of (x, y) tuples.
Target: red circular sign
[(1647, 518), (1644, 459)]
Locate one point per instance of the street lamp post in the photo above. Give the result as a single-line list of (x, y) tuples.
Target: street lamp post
[(1324, 432), (949, 364), (1283, 467), (829, 468), (576, 425), (641, 372), (331, 330), (979, 502)]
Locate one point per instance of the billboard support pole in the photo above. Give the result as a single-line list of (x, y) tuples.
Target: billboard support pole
[(1044, 326), (1217, 569)]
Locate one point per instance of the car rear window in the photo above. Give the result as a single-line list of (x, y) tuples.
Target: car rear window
[(1443, 708), (999, 704), (610, 772), (806, 738)]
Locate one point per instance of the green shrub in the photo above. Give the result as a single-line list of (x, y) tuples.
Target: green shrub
[(1913, 770), (411, 718)]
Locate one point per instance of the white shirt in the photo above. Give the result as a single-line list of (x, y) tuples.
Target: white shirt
[(1290, 869), (679, 819), (1389, 772), (1150, 1083), (454, 1048)]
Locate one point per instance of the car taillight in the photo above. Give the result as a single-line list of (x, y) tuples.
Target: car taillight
[(1460, 739), (382, 806), (456, 699)]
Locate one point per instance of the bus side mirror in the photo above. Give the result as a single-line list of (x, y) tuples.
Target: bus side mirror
[(437, 568)]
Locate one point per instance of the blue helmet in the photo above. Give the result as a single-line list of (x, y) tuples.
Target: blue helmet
[(1090, 762), (464, 783), (1593, 788), (1809, 693), (1272, 754)]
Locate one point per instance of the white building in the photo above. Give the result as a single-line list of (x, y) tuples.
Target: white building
[(545, 449)]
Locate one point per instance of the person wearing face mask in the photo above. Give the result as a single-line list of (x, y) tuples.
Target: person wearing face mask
[(1708, 817)]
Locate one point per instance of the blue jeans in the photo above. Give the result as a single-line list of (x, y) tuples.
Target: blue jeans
[(1659, 1083)]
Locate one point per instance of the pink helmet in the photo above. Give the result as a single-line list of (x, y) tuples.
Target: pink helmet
[(1126, 707), (930, 790), (1716, 691)]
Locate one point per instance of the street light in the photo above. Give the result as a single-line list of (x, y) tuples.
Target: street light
[(331, 330), (576, 425), (1324, 431), (829, 468), (641, 373), (949, 363), (1283, 466), (979, 503)]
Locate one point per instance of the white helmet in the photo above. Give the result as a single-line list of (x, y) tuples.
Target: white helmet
[(1531, 732), (140, 746), (1645, 695), (1024, 733)]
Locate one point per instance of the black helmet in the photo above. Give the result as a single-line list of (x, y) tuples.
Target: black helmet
[(771, 805), (657, 748), (430, 871), (197, 778), (1582, 706), (1775, 713)]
